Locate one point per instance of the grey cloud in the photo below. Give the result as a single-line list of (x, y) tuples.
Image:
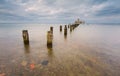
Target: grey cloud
[(61, 10)]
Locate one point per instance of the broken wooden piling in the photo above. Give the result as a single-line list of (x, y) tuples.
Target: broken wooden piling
[(51, 29), (49, 39), (71, 28), (65, 28), (68, 26), (25, 36), (65, 31), (60, 28)]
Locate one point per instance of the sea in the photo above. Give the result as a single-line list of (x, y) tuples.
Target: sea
[(88, 50)]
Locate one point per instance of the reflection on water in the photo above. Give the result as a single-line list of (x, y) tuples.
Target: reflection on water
[(27, 48), (50, 47), (50, 52), (65, 34), (90, 50)]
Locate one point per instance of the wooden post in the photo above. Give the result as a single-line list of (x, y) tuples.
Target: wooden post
[(65, 31), (25, 36), (71, 28), (49, 39), (65, 27), (60, 27), (68, 26), (51, 29)]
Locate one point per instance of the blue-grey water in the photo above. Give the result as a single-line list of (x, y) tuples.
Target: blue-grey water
[(88, 50)]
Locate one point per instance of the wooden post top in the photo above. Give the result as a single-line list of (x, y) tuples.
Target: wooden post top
[(25, 30)]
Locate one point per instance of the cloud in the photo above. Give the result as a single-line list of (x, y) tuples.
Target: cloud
[(58, 11), (108, 11)]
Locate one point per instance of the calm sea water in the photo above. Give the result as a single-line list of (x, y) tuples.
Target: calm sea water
[(89, 50)]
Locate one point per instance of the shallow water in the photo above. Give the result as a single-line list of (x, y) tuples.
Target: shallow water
[(89, 50)]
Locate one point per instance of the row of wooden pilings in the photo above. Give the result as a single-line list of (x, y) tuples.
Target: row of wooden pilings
[(49, 34)]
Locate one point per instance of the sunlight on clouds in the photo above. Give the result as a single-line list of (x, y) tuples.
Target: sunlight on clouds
[(91, 11), (43, 9), (33, 8), (39, 7), (52, 12), (98, 7), (40, 1)]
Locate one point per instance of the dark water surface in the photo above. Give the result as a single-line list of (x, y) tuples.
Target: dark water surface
[(89, 50)]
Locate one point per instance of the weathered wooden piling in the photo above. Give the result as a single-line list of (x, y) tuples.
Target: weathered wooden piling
[(51, 29), (68, 26), (25, 36), (71, 28), (65, 31), (65, 27), (60, 27), (49, 39)]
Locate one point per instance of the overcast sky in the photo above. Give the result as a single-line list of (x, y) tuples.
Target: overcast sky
[(60, 11)]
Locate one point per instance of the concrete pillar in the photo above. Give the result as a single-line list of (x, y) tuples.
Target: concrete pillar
[(25, 36)]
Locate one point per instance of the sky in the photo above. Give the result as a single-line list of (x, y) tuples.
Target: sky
[(59, 11)]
